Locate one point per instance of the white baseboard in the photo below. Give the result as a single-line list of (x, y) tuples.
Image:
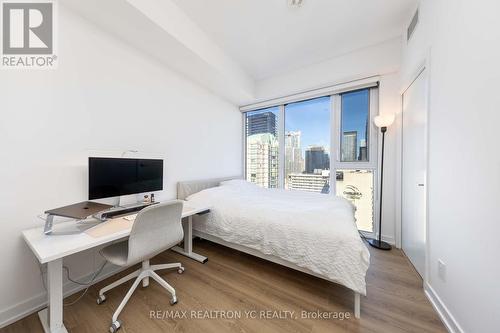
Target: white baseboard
[(449, 321), (389, 239), (38, 302)]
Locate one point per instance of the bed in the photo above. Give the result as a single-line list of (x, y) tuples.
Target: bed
[(310, 232)]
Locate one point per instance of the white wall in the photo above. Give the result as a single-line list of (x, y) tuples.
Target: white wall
[(374, 60), (464, 165), (381, 59), (105, 96), (162, 30)]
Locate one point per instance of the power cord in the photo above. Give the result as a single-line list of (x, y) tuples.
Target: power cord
[(88, 284), (42, 276), (82, 283)]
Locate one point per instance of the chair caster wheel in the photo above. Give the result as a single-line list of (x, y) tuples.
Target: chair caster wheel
[(180, 270), (173, 301), (101, 299), (115, 326)]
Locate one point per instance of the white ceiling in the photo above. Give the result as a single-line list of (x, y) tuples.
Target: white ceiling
[(267, 37)]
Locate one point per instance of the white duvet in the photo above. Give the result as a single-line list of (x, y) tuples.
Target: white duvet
[(312, 230)]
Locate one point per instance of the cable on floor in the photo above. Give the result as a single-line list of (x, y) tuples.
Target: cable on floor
[(87, 284)]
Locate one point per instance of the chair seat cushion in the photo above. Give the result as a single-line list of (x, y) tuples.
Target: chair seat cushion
[(116, 253)]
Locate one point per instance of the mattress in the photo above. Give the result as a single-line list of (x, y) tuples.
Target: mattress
[(311, 230)]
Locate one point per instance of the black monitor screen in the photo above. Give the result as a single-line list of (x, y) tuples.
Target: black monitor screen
[(112, 177)]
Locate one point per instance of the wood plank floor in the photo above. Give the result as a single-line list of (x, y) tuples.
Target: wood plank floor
[(233, 281)]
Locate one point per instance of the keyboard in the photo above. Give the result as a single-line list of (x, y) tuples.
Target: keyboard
[(130, 217)]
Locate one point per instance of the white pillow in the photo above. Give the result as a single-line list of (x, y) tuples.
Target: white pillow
[(236, 183)]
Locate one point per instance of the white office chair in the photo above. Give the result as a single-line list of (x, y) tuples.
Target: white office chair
[(155, 229)]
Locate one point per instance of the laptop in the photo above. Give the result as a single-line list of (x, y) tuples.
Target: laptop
[(79, 210)]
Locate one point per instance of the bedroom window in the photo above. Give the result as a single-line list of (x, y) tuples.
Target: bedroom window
[(356, 162), (307, 145), (326, 143), (355, 126), (262, 147)]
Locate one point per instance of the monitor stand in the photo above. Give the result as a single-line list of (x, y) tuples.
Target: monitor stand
[(78, 211), (49, 222)]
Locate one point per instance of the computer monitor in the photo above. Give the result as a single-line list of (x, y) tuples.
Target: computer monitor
[(112, 177)]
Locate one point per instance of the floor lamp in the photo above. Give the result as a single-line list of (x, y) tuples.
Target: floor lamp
[(382, 122)]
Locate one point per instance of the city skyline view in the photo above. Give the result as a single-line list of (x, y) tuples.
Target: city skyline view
[(312, 119), (355, 122), (307, 132)]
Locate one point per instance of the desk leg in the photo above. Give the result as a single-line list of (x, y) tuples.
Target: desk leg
[(52, 317), (188, 243)]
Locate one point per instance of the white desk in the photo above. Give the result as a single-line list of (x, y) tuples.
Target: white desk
[(66, 240)]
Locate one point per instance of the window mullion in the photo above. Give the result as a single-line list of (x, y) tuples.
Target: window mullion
[(334, 141), (281, 147)]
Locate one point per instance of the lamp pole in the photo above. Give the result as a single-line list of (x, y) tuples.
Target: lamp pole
[(378, 243)]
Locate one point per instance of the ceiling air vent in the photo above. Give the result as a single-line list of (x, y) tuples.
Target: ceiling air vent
[(412, 26), (295, 3)]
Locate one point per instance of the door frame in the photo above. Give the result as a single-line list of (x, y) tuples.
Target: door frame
[(424, 65)]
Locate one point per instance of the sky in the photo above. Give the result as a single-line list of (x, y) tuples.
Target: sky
[(312, 118)]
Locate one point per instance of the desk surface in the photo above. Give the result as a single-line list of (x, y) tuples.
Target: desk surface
[(70, 237)]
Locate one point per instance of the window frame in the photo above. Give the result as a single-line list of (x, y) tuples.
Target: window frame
[(372, 135), (373, 156), (335, 143)]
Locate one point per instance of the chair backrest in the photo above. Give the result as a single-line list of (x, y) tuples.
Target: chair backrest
[(155, 229)]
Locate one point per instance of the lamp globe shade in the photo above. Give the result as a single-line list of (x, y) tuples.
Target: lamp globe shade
[(384, 120)]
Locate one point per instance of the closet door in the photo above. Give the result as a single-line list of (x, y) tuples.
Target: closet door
[(414, 164)]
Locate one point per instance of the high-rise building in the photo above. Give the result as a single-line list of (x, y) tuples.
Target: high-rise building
[(363, 152), (326, 165), (262, 160), (294, 162), (349, 146), (259, 123), (316, 159), (318, 182)]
